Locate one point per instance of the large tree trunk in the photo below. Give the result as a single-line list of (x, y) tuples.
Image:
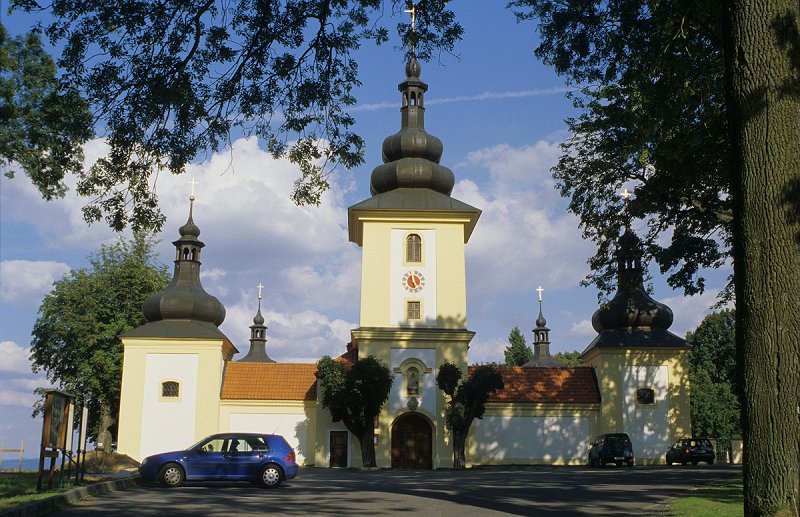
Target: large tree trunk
[(367, 450), (763, 66)]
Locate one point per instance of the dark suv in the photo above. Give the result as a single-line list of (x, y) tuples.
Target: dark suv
[(611, 448), (692, 450)]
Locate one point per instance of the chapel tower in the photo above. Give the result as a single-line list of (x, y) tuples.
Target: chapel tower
[(641, 366), (413, 281), (173, 364)]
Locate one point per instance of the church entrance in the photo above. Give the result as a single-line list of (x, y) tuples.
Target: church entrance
[(412, 437)]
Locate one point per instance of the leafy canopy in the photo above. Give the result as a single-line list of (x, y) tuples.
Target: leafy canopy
[(168, 81), (517, 352), (42, 122), (652, 100), (569, 358), (75, 337)]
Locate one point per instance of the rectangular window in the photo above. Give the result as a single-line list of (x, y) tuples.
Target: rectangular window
[(413, 310)]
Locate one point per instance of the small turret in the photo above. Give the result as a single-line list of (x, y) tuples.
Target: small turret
[(541, 341), (258, 338)]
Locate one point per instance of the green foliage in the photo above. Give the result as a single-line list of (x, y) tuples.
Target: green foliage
[(517, 352), (652, 96), (569, 358), (467, 401), (172, 80), (43, 123), (75, 339), (715, 406), (355, 396)]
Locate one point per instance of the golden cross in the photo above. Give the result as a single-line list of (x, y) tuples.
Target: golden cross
[(413, 12), (260, 287), (192, 183), (626, 194), (540, 293)]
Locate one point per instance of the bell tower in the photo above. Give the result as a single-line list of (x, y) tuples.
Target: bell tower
[(413, 282)]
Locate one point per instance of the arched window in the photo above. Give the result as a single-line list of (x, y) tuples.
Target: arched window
[(646, 396), (170, 389), (413, 248)]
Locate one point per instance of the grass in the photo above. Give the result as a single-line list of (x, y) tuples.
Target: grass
[(719, 501), (18, 488)]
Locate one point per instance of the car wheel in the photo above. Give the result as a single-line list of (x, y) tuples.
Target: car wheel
[(601, 462), (618, 463), (711, 461), (669, 462), (270, 476), (695, 462), (171, 475), (630, 463)]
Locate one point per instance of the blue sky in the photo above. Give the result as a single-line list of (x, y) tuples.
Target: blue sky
[(499, 113)]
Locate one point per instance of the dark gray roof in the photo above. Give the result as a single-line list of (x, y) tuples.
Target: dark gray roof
[(176, 329), (414, 199), (636, 337)]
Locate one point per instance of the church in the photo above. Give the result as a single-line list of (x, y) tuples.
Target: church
[(180, 382)]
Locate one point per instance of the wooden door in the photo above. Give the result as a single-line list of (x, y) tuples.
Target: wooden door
[(339, 441), (412, 438)]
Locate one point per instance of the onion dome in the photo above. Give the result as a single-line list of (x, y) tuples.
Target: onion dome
[(258, 338), (184, 298), (411, 156), (631, 307)]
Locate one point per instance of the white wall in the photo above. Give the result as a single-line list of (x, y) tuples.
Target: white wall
[(293, 427), (647, 425), (550, 438), (169, 425)]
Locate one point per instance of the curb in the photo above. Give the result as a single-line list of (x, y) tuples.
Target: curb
[(60, 501)]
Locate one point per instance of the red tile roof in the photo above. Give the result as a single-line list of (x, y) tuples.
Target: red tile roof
[(269, 381), (548, 385)]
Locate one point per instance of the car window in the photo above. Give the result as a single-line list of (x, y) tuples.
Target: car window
[(257, 443), (215, 445)]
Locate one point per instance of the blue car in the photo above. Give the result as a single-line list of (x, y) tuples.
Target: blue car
[(266, 459)]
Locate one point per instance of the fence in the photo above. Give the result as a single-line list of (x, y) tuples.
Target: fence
[(3, 450)]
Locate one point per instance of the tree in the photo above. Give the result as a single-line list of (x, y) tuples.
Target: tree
[(517, 352), (75, 339), (170, 81), (715, 170), (626, 58), (467, 401), (762, 70), (569, 358), (43, 122), (355, 396), (715, 386)]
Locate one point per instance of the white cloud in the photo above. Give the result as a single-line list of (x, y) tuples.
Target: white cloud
[(689, 311), (17, 398), (28, 281), (14, 358), (582, 330)]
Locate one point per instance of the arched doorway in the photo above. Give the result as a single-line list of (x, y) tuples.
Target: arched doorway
[(412, 437)]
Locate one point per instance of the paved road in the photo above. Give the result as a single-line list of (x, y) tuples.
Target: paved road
[(545, 491)]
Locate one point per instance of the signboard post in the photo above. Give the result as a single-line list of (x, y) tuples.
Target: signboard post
[(54, 433)]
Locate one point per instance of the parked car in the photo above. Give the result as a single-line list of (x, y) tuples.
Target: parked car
[(266, 459), (692, 450), (611, 448)]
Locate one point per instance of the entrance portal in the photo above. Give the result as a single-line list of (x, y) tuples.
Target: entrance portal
[(339, 441), (412, 437)]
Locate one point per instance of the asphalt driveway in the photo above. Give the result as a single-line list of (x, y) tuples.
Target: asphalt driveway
[(563, 491)]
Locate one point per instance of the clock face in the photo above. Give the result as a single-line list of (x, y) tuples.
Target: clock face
[(413, 281)]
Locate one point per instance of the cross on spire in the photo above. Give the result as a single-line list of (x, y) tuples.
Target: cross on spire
[(540, 289), (413, 12), (192, 183), (260, 287)]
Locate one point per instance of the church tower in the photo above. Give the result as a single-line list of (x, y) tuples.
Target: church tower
[(413, 282), (173, 364), (641, 366)]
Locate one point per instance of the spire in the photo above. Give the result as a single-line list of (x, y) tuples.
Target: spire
[(184, 298), (541, 341), (258, 338), (411, 156)]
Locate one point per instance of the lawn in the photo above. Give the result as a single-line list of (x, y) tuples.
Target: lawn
[(18, 488), (717, 501)]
